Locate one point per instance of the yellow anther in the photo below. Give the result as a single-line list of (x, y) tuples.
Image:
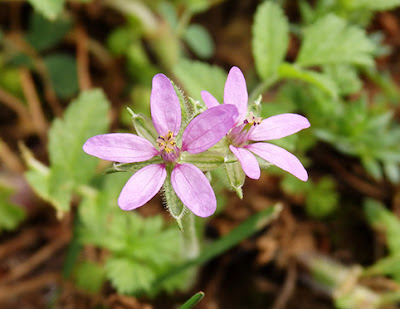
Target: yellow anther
[(167, 143)]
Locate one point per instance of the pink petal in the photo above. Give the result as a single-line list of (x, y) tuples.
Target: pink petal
[(142, 186), (207, 129), (165, 106), (279, 126), (209, 99), (248, 161), (279, 157), (235, 92), (120, 147), (194, 189)]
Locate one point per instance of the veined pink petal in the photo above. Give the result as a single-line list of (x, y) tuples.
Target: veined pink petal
[(120, 147), (142, 186), (209, 99), (194, 189), (279, 126), (279, 157), (248, 162), (207, 129), (235, 92), (164, 105)]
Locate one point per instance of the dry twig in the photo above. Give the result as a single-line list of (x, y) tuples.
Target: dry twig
[(19, 288), (25, 239), (33, 100), (39, 257), (82, 57), (288, 287), (10, 159)]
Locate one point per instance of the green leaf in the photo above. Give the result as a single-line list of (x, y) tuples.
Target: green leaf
[(63, 74), (330, 40), (193, 301), (85, 117), (386, 266), (139, 65), (98, 208), (199, 41), (129, 276), (70, 167), (382, 219), (119, 40), (37, 175), (48, 8), (139, 243), (44, 34), (373, 4), (89, 276), (11, 214), (168, 11), (270, 38), (292, 71), (322, 199), (392, 171), (345, 76), (196, 76), (372, 166)]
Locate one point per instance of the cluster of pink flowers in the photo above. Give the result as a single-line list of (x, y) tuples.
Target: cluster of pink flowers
[(244, 132)]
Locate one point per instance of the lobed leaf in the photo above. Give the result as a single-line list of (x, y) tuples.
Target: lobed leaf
[(270, 38), (69, 167), (331, 40), (128, 276), (89, 276)]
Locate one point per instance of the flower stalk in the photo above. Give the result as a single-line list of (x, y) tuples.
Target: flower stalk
[(190, 240)]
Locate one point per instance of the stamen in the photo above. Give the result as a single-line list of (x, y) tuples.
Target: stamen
[(252, 120), (167, 143)]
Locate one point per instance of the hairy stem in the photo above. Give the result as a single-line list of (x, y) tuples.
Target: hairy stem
[(190, 241)]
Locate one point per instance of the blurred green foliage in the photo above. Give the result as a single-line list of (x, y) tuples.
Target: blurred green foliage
[(325, 81)]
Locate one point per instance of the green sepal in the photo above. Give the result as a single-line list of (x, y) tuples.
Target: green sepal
[(199, 106), (144, 127), (132, 167), (236, 177), (255, 106), (206, 161), (264, 164), (173, 203), (188, 107)]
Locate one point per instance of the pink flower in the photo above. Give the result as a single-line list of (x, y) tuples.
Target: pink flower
[(189, 183), (246, 131)]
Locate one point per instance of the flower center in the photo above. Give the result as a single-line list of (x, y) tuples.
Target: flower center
[(239, 135), (253, 121), (167, 143)]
